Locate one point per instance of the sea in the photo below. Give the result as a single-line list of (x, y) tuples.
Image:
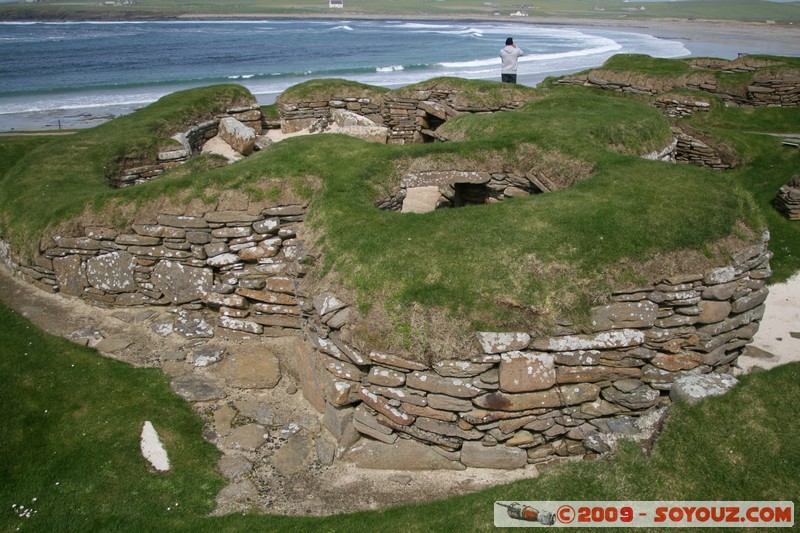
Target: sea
[(78, 74)]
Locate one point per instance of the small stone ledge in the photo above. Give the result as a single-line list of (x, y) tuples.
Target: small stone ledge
[(787, 199), (768, 88), (243, 124), (408, 116)]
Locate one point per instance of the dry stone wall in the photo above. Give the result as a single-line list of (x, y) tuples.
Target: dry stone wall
[(191, 142), (689, 149), (769, 87), (787, 200), (516, 399), (521, 399), (681, 105), (242, 266), (426, 191), (411, 116)]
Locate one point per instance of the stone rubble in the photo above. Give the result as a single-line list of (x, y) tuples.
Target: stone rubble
[(769, 87), (236, 129), (787, 199)]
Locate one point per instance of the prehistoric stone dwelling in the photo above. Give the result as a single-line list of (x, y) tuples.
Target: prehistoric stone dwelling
[(515, 398)]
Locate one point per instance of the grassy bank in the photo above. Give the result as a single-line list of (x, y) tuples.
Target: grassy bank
[(522, 263), (728, 10), (69, 442)]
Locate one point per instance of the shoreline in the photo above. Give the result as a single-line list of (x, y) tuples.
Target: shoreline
[(703, 38)]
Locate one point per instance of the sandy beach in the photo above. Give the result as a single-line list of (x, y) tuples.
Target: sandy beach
[(702, 38)]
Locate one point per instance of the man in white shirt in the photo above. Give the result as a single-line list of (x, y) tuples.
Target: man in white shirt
[(508, 56)]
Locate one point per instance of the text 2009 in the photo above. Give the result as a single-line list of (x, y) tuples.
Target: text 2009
[(604, 514)]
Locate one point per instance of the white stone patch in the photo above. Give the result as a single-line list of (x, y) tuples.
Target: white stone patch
[(331, 348), (608, 339), (494, 342), (152, 449), (330, 303), (398, 392), (205, 360), (222, 260), (399, 414)]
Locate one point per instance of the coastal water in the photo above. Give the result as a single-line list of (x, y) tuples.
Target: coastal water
[(81, 71)]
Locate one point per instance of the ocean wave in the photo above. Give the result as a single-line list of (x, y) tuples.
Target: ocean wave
[(596, 50), (418, 26), (393, 68), (345, 28), (240, 76)]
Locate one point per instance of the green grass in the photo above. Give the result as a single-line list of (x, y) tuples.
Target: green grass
[(325, 89), (769, 166), (523, 263), (68, 173), (737, 10), (69, 438), (13, 148), (654, 66)]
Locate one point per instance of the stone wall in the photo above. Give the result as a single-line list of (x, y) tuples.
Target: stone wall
[(297, 116), (681, 105), (787, 199), (689, 149), (768, 87), (520, 399), (236, 270), (412, 116), (191, 142), (426, 191), (516, 399)]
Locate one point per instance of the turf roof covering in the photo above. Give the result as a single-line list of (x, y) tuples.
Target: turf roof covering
[(422, 282)]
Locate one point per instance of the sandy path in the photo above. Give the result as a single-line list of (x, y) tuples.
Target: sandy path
[(779, 332)]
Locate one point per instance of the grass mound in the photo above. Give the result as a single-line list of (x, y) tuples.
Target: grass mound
[(422, 281), (327, 89)]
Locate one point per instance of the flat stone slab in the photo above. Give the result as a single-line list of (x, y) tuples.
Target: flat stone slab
[(240, 491), (421, 199), (403, 454), (260, 412), (233, 466), (248, 437), (694, 388), (196, 389), (218, 146), (112, 344), (193, 325), (477, 455), (293, 456), (251, 368)]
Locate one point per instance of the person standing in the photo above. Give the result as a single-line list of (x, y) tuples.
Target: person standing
[(508, 56)]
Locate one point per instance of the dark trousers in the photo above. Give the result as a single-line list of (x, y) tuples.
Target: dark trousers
[(508, 78)]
